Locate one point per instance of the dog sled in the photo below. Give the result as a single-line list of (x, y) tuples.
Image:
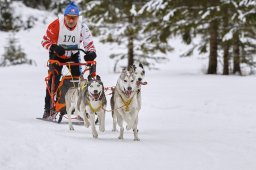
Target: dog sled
[(57, 94), (88, 98)]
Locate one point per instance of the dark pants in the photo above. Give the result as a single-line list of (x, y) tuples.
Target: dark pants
[(75, 71)]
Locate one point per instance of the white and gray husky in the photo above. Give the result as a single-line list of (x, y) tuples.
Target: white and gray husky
[(125, 103), (88, 100), (139, 72)]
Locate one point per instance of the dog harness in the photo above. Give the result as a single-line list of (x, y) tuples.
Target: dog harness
[(94, 110), (126, 102)]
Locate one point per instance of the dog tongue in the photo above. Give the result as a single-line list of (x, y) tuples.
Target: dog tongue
[(128, 93), (142, 83), (95, 96)]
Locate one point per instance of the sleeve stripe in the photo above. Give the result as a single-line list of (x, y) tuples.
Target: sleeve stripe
[(51, 35), (48, 45)]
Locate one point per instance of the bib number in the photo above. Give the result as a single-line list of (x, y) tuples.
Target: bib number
[(69, 38)]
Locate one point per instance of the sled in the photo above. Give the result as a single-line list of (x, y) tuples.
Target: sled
[(57, 94)]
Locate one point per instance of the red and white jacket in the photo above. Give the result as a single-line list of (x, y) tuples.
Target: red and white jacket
[(56, 28)]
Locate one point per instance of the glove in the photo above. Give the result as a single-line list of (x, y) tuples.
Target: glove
[(90, 56), (74, 57), (57, 49), (53, 57)]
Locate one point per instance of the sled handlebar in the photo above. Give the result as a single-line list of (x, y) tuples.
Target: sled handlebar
[(76, 49), (71, 63)]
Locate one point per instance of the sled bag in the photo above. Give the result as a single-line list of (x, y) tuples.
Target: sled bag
[(65, 83)]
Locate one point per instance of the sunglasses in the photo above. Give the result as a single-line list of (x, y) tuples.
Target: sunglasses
[(69, 17)]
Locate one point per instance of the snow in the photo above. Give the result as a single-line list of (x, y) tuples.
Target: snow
[(169, 15), (133, 10), (207, 13), (153, 5), (24, 12), (188, 120), (228, 35)]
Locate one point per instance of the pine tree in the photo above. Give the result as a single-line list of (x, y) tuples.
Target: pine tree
[(9, 22), (239, 31), (6, 18), (44, 4), (221, 25), (121, 22), (177, 18), (14, 54)]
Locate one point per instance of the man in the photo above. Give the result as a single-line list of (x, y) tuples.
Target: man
[(67, 32)]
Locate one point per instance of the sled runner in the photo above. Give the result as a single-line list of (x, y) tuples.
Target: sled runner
[(77, 122)]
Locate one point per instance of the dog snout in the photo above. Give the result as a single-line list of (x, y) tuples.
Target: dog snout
[(140, 79), (129, 88), (95, 91)]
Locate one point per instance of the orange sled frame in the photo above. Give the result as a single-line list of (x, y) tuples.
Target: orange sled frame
[(57, 106)]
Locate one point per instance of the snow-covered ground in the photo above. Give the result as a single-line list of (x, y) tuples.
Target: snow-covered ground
[(188, 121)]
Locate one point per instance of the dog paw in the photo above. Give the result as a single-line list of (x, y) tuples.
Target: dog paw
[(102, 129), (137, 130), (71, 128), (95, 136), (120, 137), (87, 125), (136, 139)]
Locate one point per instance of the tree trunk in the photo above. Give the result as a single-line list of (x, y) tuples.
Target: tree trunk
[(236, 53), (226, 59), (212, 65), (226, 44), (130, 43), (130, 51)]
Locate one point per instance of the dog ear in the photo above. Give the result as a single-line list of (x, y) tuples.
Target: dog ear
[(81, 78), (89, 78), (103, 88), (98, 78), (124, 70), (134, 67), (141, 65), (131, 69), (123, 73)]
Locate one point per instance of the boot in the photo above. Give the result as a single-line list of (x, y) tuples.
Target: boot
[(62, 113), (46, 114)]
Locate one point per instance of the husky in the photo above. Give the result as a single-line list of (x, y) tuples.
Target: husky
[(95, 103), (125, 104), (139, 72), (73, 102), (88, 100)]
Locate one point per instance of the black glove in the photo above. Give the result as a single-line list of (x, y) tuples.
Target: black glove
[(74, 57), (57, 49), (53, 57), (90, 56)]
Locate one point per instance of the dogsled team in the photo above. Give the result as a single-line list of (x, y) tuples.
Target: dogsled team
[(86, 97)]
